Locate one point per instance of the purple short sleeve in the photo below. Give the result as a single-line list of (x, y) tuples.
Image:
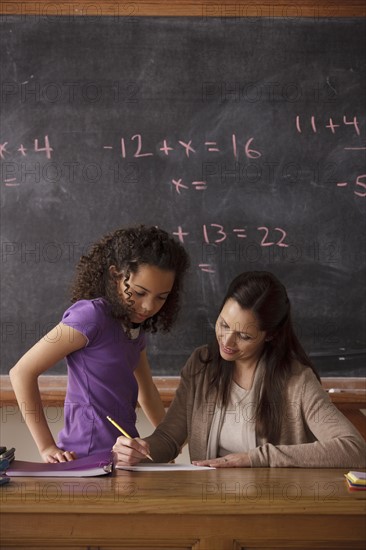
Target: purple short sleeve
[(83, 317), (90, 318)]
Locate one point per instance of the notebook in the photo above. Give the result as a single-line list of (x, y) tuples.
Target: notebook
[(93, 465), (356, 481), (358, 478)]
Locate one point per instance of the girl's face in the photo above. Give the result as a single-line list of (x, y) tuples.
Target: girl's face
[(149, 287), (238, 334)]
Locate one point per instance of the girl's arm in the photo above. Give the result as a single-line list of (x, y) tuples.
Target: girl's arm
[(59, 342), (148, 397)]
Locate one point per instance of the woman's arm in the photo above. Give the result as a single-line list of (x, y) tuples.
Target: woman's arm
[(167, 440), (59, 342), (309, 411), (148, 397), (338, 444)]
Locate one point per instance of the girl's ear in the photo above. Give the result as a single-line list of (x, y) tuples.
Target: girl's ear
[(112, 270), (114, 273)]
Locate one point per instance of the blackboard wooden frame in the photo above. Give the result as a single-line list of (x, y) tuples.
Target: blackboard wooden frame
[(348, 394), (206, 8), (224, 8)]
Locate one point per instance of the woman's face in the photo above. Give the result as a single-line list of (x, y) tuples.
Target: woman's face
[(149, 287), (238, 334)]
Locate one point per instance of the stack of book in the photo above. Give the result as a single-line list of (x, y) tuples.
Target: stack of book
[(6, 456), (356, 481)]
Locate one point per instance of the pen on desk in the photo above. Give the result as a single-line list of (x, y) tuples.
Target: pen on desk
[(123, 432)]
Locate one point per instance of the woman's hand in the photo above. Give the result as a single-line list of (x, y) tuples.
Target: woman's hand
[(128, 452), (54, 454), (234, 460)]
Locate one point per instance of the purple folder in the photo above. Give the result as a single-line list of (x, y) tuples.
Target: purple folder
[(93, 465)]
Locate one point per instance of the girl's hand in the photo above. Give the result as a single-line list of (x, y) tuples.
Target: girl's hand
[(54, 454), (234, 460), (128, 452)]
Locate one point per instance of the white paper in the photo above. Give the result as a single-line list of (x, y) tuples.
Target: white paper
[(161, 467)]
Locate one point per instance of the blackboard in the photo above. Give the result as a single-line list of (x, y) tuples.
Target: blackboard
[(243, 137)]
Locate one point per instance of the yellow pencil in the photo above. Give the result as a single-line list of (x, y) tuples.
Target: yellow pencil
[(123, 431)]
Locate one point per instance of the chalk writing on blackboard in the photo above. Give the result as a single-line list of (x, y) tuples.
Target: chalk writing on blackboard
[(197, 185), (210, 146), (330, 124), (47, 149), (240, 233), (187, 147), (10, 171), (361, 184)]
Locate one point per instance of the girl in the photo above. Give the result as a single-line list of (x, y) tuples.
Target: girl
[(253, 398), (129, 283)]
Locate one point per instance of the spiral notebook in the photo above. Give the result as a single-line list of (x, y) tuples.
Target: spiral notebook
[(93, 465)]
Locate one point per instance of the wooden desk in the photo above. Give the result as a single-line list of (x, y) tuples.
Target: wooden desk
[(211, 510)]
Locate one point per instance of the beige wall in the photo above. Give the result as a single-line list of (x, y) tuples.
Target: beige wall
[(14, 432)]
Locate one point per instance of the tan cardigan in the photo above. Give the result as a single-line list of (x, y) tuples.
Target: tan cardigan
[(315, 433)]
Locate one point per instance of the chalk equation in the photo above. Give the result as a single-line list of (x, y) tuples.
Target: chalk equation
[(137, 148), (47, 149), (216, 233), (331, 125)]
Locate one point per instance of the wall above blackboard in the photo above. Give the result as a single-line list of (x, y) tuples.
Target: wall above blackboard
[(243, 137)]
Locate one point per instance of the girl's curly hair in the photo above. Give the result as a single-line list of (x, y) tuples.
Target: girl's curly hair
[(127, 249)]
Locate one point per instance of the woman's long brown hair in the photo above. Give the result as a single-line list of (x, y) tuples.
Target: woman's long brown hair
[(263, 294)]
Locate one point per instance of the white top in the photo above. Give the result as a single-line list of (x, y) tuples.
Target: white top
[(233, 428)]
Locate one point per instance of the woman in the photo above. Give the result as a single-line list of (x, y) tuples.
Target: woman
[(253, 398)]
